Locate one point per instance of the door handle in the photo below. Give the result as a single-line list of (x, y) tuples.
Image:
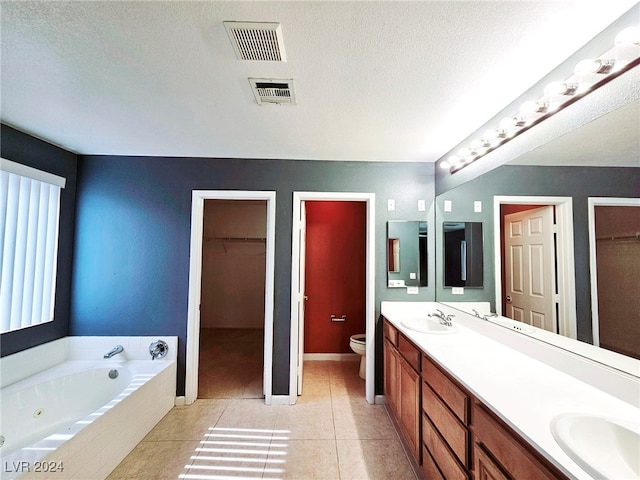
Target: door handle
[(509, 299)]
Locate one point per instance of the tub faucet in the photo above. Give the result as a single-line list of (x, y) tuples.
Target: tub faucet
[(489, 315), (116, 350), (444, 319)]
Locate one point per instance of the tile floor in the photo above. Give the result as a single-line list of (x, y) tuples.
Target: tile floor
[(331, 433), (222, 352)]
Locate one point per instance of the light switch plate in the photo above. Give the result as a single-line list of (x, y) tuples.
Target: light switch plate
[(413, 290), (477, 206), (422, 206), (447, 205), (391, 204), (457, 290), (413, 275)]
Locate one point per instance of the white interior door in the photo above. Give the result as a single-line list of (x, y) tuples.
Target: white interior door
[(530, 267), (301, 295)]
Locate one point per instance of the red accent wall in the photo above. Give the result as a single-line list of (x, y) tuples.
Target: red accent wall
[(334, 275)]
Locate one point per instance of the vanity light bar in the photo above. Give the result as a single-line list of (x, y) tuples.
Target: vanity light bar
[(588, 75)]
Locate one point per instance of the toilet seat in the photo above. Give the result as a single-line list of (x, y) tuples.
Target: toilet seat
[(358, 338)]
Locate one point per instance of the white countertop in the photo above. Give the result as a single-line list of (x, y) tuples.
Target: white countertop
[(526, 393)]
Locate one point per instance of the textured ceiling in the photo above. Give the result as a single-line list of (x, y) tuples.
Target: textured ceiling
[(382, 81)]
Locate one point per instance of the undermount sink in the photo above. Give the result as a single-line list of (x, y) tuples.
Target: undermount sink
[(427, 325), (603, 447)]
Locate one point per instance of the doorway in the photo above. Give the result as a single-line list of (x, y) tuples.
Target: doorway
[(614, 244), (558, 269), (232, 299), (529, 268), (298, 284), (198, 239)]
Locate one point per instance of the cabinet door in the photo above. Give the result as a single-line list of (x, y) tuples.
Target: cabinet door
[(485, 468), (409, 398), (391, 365), (516, 457)]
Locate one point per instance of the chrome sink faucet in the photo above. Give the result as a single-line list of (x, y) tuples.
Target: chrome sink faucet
[(444, 319), (116, 350)]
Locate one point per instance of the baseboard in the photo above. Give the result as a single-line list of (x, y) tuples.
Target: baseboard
[(335, 357), (380, 400), (179, 401)]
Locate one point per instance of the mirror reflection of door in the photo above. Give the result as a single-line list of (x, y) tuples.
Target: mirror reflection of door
[(617, 232), (394, 255), (530, 266)]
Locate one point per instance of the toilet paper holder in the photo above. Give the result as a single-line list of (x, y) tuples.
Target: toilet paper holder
[(343, 318)]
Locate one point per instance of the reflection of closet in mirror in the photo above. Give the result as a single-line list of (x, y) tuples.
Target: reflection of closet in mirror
[(463, 255), (615, 280), (406, 254)]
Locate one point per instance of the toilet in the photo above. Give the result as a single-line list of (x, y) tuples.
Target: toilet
[(357, 344)]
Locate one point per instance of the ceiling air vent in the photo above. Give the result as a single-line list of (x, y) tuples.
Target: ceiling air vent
[(257, 40), (273, 91)]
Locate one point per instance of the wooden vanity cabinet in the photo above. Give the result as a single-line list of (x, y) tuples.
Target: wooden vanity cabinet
[(451, 433), (500, 453), (402, 385), (445, 424)]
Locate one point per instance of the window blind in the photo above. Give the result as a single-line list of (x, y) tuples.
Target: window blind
[(29, 215)]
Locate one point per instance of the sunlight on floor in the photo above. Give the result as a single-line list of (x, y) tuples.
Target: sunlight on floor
[(239, 453)]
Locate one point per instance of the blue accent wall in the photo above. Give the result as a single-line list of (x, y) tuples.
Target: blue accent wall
[(131, 264), (27, 150)]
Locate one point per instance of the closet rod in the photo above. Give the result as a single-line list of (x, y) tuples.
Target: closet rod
[(243, 239), (621, 237)]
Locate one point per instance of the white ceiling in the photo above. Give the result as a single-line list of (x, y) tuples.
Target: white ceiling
[(380, 81)]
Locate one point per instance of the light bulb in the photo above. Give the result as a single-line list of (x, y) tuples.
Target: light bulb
[(445, 165), (505, 123), (560, 88), (519, 121), (476, 146), (488, 137), (530, 107), (585, 67), (628, 36), (453, 160), (463, 153)]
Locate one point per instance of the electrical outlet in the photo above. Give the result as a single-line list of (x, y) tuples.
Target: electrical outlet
[(457, 290), (422, 205), (447, 205), (477, 206), (391, 204), (413, 290)]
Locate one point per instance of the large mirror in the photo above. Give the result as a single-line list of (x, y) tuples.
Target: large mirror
[(463, 254), (406, 254), (596, 159)]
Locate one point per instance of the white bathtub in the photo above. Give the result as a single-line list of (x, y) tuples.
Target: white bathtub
[(72, 421)]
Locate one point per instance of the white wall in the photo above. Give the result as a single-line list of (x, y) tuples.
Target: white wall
[(233, 264)]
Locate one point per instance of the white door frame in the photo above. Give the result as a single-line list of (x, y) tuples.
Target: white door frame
[(567, 318), (369, 198), (195, 284), (593, 202)]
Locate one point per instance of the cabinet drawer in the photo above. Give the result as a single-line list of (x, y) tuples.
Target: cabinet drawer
[(445, 459), (391, 333), (429, 466), (485, 468), (409, 352), (447, 390), (516, 459), (451, 429)]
